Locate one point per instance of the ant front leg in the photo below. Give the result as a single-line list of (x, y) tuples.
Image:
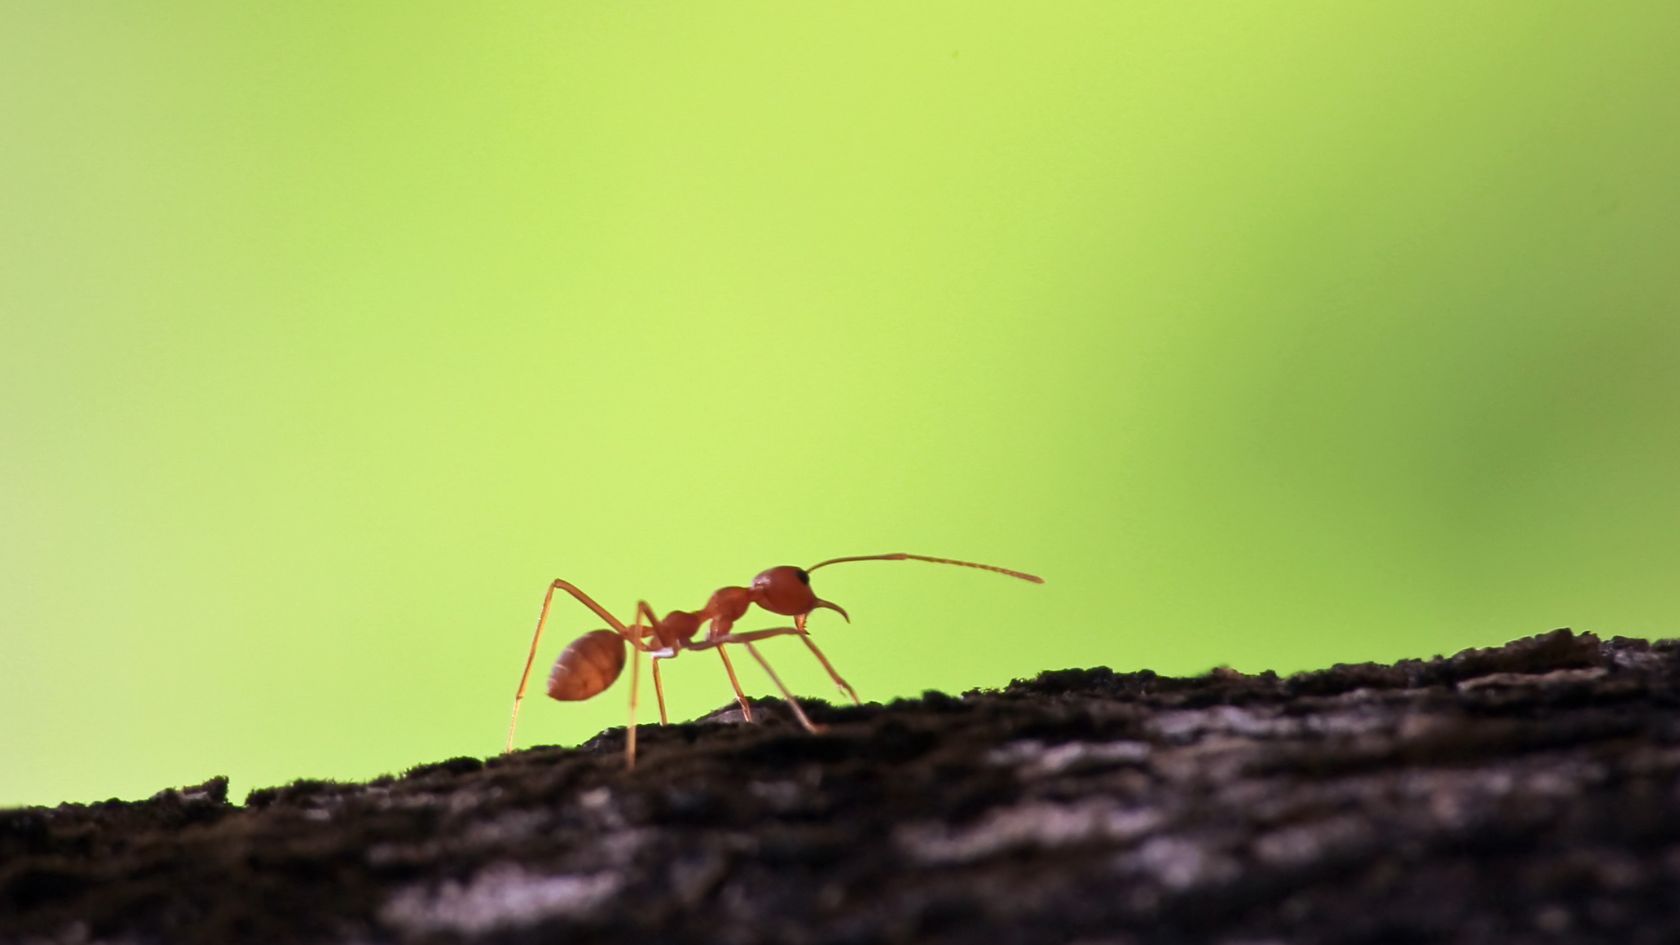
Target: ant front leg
[(846, 687), (793, 703)]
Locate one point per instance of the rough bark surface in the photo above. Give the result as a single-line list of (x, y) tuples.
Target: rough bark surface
[(1529, 793)]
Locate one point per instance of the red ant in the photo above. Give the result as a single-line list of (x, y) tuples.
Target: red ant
[(591, 663)]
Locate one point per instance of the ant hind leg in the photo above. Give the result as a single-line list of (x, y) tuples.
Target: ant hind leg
[(659, 688), (536, 637)]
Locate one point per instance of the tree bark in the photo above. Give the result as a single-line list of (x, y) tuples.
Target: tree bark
[(1522, 794)]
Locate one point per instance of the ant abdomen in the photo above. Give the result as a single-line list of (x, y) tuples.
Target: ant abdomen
[(587, 667)]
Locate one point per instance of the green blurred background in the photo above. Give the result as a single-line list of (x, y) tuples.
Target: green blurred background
[(1272, 335)]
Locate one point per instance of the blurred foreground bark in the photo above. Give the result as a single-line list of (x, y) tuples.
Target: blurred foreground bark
[(1529, 793)]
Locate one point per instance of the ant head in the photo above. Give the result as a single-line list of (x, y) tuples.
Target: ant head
[(787, 590), (784, 590)]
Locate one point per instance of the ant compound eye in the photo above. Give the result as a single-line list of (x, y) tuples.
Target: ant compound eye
[(785, 590)]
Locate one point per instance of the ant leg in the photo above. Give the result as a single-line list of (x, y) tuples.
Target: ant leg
[(741, 638), (644, 609), (741, 697), (728, 667), (845, 687), (654, 656), (747, 639), (659, 688), (793, 703), (542, 617), (630, 730)]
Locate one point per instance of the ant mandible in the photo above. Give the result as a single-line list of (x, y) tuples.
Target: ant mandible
[(593, 661)]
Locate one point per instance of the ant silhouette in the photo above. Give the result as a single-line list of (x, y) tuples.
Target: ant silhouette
[(593, 661)]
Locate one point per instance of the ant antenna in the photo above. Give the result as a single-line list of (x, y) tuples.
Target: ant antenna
[(902, 556)]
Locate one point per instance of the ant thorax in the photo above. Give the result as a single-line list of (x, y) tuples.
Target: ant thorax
[(727, 605)]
